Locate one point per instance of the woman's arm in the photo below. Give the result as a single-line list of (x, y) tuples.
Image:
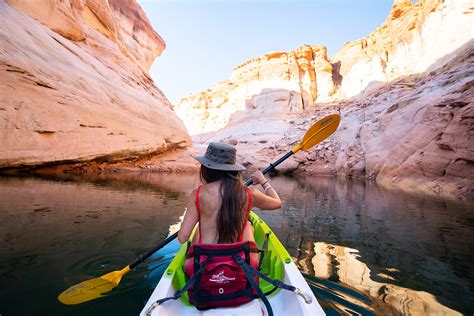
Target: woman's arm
[(268, 200), (190, 219)]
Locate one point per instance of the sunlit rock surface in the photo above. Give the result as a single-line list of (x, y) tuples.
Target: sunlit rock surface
[(414, 37), (74, 84), (279, 82), (404, 93), (414, 133)]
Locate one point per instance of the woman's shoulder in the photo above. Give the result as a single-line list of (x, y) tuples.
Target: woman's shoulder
[(208, 189), (252, 190)]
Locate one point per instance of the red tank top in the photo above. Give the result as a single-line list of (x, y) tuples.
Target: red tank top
[(246, 215)]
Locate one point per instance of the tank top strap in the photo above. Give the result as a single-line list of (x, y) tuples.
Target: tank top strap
[(250, 202), (249, 193), (199, 213)]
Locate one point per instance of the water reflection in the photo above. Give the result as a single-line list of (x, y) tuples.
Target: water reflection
[(331, 262), (56, 232), (364, 251), (409, 255)]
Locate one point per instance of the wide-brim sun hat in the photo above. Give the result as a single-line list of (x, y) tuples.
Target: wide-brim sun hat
[(220, 156)]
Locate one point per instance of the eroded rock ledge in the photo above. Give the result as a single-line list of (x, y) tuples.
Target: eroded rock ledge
[(74, 84)]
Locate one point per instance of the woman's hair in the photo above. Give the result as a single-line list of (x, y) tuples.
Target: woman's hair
[(231, 217)]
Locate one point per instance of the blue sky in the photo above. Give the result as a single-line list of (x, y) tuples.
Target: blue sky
[(206, 39)]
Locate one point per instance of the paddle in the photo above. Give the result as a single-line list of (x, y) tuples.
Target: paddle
[(320, 130), (94, 288)]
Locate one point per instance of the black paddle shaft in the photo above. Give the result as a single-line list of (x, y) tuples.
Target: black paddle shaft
[(272, 166), (152, 251)]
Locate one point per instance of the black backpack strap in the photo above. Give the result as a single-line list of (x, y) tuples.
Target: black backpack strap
[(180, 292), (263, 251), (282, 285), (277, 283), (248, 274)]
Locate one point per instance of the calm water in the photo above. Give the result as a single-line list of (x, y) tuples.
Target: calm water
[(363, 250)]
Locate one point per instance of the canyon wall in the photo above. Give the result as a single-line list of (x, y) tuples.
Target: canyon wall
[(286, 80), (404, 93), (74, 84), (414, 37)]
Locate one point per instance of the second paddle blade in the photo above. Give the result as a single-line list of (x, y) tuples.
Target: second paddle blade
[(321, 130), (91, 289)]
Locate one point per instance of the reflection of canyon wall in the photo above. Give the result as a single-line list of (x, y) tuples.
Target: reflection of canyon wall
[(408, 123), (409, 244), (343, 261), (58, 233), (74, 83), (44, 214)]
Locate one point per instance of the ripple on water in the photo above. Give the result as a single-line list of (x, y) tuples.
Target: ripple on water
[(93, 267), (97, 265)]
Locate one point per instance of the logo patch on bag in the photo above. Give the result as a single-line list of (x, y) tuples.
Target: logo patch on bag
[(221, 278)]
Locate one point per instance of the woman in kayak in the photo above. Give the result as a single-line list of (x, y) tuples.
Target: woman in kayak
[(221, 205), (223, 264)]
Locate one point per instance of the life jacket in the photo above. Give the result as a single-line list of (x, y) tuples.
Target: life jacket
[(221, 282)]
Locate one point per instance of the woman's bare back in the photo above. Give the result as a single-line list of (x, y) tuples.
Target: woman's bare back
[(209, 203)]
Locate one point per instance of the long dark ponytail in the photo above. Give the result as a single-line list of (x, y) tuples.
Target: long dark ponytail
[(231, 217)]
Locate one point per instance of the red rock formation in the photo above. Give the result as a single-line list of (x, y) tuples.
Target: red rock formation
[(413, 134), (288, 79), (414, 37), (74, 84), (407, 124)]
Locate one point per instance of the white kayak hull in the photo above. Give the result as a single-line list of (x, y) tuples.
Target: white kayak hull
[(283, 302)]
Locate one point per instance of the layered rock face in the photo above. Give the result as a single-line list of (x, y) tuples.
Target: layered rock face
[(415, 133), (414, 37), (287, 81), (407, 123), (74, 84)]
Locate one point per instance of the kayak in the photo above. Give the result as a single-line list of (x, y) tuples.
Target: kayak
[(277, 264)]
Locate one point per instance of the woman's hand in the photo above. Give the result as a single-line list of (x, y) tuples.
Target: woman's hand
[(258, 177), (267, 200)]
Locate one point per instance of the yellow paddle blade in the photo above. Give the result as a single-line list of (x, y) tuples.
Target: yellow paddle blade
[(92, 289), (320, 130)]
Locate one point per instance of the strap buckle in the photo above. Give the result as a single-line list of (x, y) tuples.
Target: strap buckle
[(306, 297), (151, 308)]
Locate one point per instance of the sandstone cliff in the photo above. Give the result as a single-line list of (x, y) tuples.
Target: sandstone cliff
[(414, 37), (286, 80), (74, 84), (404, 92)]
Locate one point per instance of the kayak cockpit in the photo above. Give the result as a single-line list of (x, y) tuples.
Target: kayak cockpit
[(277, 264)]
